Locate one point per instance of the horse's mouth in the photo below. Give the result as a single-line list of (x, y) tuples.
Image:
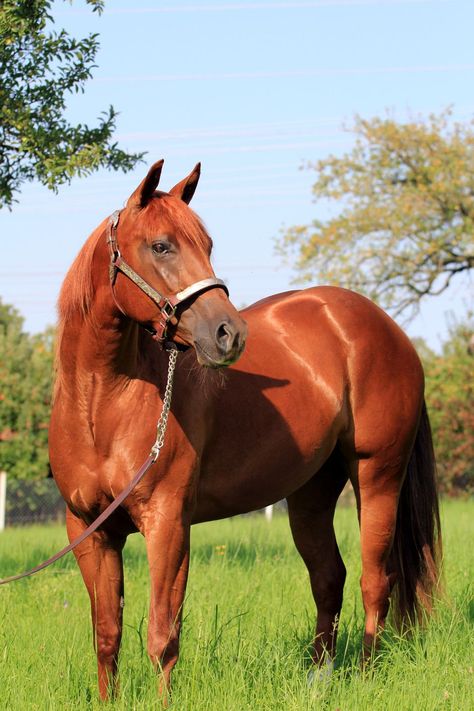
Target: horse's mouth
[(209, 361)]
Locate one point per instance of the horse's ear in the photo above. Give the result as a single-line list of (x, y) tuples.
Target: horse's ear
[(185, 189), (147, 187)]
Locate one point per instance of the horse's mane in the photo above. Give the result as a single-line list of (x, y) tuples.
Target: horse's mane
[(77, 289), (75, 295)]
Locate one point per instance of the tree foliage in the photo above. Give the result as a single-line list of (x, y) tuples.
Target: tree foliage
[(26, 366), (403, 226), (450, 399), (39, 68)]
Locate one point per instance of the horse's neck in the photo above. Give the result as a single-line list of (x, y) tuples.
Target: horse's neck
[(104, 354)]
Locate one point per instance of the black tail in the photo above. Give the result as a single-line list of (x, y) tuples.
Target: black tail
[(416, 551)]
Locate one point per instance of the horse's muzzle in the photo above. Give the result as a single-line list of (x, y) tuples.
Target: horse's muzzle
[(224, 346)]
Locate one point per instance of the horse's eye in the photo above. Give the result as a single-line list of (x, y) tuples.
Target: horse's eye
[(161, 247)]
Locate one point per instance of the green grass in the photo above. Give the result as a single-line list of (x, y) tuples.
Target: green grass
[(248, 623)]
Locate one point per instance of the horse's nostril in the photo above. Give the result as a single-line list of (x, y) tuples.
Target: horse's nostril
[(222, 333), (225, 337)]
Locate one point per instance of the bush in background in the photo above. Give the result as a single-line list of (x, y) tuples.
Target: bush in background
[(26, 368), (450, 400)]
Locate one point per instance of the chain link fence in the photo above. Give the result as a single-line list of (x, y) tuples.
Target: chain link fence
[(28, 501)]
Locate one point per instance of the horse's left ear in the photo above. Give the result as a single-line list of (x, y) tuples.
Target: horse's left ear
[(185, 189), (143, 194)]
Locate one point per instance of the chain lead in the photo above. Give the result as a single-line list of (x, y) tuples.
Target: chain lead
[(163, 421)]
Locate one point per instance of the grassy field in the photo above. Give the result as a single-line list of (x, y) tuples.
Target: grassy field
[(248, 622)]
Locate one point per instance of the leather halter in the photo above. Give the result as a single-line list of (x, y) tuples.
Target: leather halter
[(166, 304)]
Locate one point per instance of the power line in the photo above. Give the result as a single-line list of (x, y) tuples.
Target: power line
[(289, 74), (47, 273), (235, 7), (238, 130)]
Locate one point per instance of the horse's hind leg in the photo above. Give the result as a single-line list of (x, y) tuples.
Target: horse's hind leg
[(379, 484), (311, 513), (100, 560)]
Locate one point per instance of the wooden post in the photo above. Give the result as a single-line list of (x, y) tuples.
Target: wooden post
[(3, 496)]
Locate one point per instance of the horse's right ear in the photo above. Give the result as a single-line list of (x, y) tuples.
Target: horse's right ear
[(143, 194)]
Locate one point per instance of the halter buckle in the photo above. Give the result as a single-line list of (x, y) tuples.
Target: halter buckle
[(167, 310)]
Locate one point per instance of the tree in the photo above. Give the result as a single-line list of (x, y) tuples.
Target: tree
[(450, 399), (403, 227), (26, 366), (38, 69)]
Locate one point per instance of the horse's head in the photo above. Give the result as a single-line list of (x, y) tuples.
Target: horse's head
[(162, 276)]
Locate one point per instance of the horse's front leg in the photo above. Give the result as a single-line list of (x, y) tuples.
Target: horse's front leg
[(167, 541), (100, 561)]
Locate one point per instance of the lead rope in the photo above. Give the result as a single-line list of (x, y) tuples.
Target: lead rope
[(151, 459)]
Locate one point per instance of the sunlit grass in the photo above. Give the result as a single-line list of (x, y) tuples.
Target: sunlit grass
[(248, 623)]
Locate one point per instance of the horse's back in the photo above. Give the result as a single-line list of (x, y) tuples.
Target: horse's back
[(353, 331)]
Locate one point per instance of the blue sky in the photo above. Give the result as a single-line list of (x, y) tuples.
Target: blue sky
[(253, 90)]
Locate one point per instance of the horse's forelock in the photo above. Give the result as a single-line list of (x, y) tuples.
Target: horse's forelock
[(179, 214)]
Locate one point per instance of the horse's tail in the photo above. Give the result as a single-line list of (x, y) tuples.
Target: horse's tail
[(416, 552)]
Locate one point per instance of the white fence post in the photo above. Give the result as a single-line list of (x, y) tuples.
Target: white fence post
[(3, 496), (269, 512)]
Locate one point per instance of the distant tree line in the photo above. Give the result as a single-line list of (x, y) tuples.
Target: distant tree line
[(450, 398), (26, 366), (26, 375)]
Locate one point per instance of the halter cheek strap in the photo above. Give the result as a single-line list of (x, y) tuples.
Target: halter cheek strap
[(166, 304)]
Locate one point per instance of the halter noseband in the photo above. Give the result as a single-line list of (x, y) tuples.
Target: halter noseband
[(166, 304)]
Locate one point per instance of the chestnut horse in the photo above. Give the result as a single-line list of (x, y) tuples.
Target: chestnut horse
[(327, 389)]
